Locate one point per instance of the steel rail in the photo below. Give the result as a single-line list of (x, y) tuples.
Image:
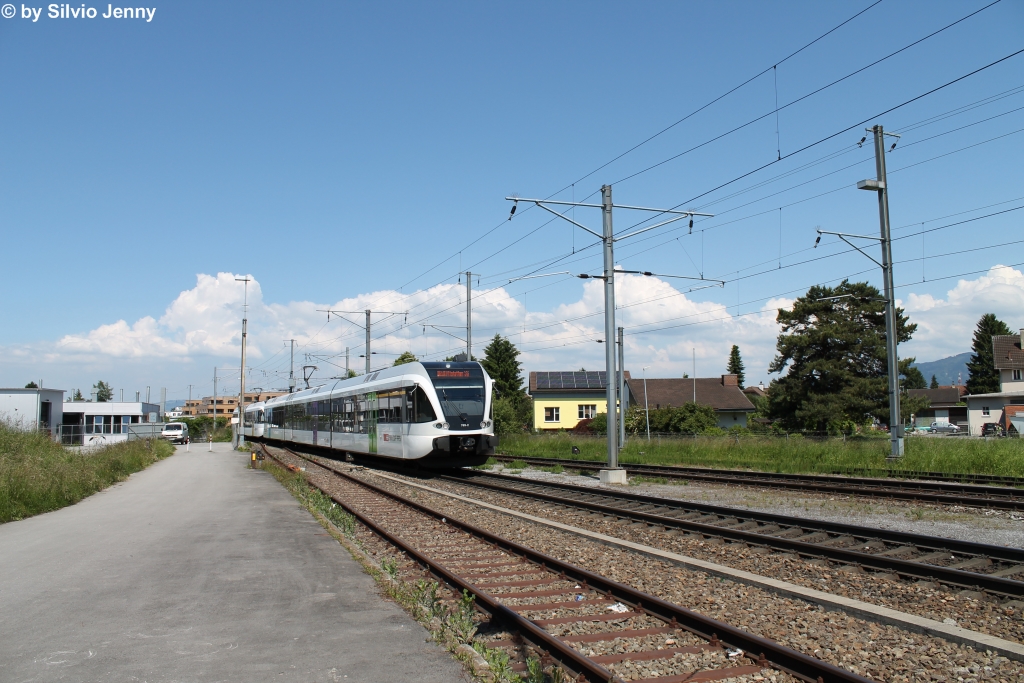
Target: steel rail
[(946, 493), (905, 568), (761, 650), (566, 655)]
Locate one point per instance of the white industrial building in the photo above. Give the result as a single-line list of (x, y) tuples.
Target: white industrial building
[(32, 409), (89, 423)]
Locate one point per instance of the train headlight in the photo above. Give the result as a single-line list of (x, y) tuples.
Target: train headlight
[(439, 425), (485, 424)]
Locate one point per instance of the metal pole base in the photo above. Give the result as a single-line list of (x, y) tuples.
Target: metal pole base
[(897, 449), (616, 476)]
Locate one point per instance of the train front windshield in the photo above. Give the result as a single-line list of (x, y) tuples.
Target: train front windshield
[(460, 391)]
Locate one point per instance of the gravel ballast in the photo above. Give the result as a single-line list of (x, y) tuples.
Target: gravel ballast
[(968, 609), (884, 653)]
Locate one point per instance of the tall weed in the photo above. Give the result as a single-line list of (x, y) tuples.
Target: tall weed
[(39, 475)]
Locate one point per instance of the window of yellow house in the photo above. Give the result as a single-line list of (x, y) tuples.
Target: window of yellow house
[(551, 415), (587, 412)]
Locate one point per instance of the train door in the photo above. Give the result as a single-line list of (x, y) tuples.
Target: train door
[(371, 417)]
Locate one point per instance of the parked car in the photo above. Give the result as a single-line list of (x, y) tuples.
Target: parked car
[(943, 428), (175, 432), (992, 429)]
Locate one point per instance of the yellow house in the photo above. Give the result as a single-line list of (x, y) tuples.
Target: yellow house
[(562, 399)]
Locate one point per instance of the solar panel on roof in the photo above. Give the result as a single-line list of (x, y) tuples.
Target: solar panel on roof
[(594, 379)]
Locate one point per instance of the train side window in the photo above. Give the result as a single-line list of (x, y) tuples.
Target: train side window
[(419, 409)]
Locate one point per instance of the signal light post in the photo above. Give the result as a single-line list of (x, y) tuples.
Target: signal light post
[(613, 474)]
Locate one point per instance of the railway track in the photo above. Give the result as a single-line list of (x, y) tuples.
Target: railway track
[(945, 492), (963, 565), (596, 629)]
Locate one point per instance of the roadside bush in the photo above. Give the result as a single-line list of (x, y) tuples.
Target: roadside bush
[(199, 428), (689, 418)]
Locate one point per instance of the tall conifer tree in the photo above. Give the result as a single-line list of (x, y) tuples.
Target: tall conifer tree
[(984, 378), (735, 366), (501, 361)]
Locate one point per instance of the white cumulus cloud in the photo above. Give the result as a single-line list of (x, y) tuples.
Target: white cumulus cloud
[(945, 326), (665, 329)]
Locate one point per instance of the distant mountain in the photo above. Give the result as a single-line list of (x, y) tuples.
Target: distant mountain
[(946, 369)]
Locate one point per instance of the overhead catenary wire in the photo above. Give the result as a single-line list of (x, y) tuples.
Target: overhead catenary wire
[(661, 132), (804, 97)]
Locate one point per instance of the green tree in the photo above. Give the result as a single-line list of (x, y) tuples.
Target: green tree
[(406, 357), (31, 385), (735, 366), (689, 418), (913, 379), (501, 361), (103, 391), (77, 396), (506, 417), (935, 383), (833, 352), (984, 378)]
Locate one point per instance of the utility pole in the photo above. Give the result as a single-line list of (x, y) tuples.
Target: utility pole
[(622, 394), (367, 341), (609, 324), (895, 421), (880, 186), (241, 393), (368, 312), (291, 369), (469, 316), (347, 371), (613, 474)]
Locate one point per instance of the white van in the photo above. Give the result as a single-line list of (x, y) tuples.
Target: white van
[(175, 432)]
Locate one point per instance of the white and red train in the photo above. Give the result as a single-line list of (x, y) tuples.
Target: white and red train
[(436, 413)]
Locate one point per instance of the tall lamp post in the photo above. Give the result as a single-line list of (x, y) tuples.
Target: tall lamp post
[(879, 185)]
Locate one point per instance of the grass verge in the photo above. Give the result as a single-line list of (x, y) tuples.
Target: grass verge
[(949, 455), (452, 622), (39, 475)]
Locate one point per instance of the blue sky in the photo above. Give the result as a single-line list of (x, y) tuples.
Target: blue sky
[(336, 152)]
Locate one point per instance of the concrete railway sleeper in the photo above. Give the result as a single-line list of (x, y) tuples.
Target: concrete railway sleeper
[(960, 564), (949, 492), (557, 606)]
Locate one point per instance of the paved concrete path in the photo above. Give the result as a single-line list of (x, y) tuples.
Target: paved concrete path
[(197, 569)]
